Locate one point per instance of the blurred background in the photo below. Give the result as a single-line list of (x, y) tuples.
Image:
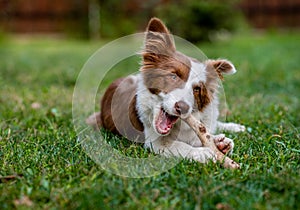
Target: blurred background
[(191, 19)]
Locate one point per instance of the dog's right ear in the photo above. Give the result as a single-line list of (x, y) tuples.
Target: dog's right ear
[(159, 42)]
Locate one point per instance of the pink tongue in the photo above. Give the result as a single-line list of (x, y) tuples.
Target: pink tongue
[(165, 123)]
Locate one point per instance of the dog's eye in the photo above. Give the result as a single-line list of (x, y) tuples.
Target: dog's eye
[(174, 77), (196, 89)]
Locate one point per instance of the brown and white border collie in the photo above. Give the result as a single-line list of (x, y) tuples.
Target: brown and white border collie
[(148, 107)]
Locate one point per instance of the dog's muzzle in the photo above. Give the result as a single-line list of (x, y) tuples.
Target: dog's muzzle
[(181, 108)]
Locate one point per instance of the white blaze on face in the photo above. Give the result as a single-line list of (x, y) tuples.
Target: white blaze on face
[(197, 74), (185, 94)]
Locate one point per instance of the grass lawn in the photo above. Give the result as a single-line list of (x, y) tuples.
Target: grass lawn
[(43, 167)]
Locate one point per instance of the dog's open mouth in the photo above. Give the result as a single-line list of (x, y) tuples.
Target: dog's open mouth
[(165, 122)]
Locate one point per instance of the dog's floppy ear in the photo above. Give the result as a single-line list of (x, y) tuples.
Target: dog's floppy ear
[(159, 42), (221, 66)]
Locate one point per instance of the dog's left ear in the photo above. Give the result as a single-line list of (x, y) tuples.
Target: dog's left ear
[(156, 25), (158, 39), (221, 66)]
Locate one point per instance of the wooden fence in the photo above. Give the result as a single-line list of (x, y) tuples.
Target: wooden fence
[(42, 15), (67, 15), (272, 13)]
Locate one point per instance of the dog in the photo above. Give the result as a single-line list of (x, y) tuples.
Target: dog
[(149, 107)]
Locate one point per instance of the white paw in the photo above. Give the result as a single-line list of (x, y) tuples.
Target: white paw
[(238, 128), (224, 144), (202, 154), (234, 127)]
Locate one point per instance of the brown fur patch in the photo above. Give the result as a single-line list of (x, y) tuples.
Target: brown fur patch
[(212, 80), (214, 72), (163, 68), (133, 116), (118, 109), (222, 66), (158, 37), (157, 25), (166, 74), (219, 67), (201, 95), (106, 103)]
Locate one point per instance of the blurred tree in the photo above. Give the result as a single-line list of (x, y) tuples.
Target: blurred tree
[(196, 20), (119, 18), (94, 19)]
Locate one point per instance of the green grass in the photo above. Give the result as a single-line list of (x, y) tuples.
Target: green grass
[(54, 172)]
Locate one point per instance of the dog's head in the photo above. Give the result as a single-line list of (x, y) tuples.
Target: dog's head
[(180, 84)]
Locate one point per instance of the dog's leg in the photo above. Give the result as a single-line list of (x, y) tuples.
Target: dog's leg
[(94, 120), (224, 144), (180, 149), (231, 127)]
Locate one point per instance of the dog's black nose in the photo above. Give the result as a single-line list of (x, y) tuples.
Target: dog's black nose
[(181, 107)]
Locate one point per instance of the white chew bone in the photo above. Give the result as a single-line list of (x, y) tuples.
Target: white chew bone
[(208, 141)]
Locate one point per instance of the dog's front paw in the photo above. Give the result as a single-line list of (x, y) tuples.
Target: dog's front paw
[(202, 154), (238, 128), (224, 144), (234, 127), (231, 127)]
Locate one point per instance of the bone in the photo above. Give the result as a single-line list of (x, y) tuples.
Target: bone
[(207, 141)]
